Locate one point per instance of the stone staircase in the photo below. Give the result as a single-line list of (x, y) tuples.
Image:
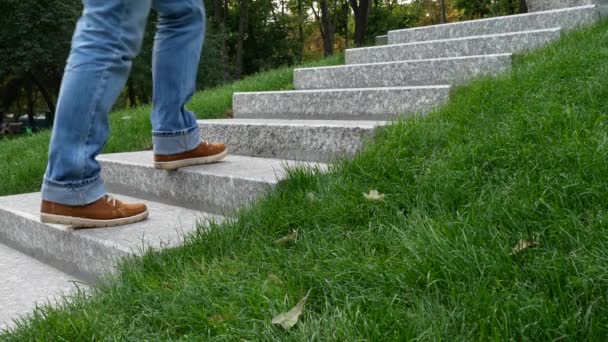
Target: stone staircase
[(331, 112)]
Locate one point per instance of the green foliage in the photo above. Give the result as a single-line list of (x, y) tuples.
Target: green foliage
[(520, 156), (483, 8), (34, 44)]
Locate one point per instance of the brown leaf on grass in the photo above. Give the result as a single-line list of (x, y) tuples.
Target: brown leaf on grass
[(273, 278), (288, 319), (523, 244), (374, 195), (288, 239), (216, 318)]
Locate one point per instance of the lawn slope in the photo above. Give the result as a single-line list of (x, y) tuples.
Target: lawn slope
[(519, 157)]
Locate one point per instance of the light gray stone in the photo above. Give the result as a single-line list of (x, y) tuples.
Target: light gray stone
[(88, 253), (27, 282), (303, 140), (216, 188), (382, 40), (406, 73), (545, 5), (466, 46), (568, 18), (339, 104)]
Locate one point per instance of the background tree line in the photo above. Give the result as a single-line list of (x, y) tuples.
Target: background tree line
[(243, 37)]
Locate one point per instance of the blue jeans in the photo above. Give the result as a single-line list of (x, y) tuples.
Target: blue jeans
[(107, 38)]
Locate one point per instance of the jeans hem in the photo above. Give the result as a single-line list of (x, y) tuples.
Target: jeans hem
[(176, 142), (73, 193)]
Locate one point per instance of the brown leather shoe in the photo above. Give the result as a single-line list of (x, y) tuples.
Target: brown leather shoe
[(204, 153), (106, 212)]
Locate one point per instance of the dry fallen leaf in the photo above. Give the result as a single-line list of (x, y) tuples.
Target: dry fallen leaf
[(288, 319), (288, 239), (523, 244), (216, 319), (374, 195), (275, 279), (311, 196)]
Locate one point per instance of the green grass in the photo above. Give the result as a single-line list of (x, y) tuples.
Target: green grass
[(521, 156), (23, 160)]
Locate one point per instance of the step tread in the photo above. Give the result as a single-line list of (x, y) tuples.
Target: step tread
[(84, 252), (410, 61), (339, 90), (27, 282), (266, 170), (368, 124)]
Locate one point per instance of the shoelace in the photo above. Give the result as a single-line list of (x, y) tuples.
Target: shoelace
[(111, 199)]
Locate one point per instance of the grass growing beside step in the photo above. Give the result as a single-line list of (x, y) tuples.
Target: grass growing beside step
[(23, 160), (521, 157)]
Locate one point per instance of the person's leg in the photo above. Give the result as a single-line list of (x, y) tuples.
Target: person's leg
[(177, 49), (107, 38)]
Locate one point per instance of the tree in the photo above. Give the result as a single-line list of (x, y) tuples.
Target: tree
[(35, 38), (361, 10)]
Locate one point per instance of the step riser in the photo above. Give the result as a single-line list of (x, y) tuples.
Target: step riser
[(418, 73), (301, 143), (356, 104), (212, 194), (473, 46), (566, 19)]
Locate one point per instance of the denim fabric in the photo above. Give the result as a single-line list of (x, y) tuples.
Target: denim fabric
[(107, 38)]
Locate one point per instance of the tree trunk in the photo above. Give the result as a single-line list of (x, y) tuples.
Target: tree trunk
[(329, 29), (523, 7), (46, 96), (145, 99), (300, 32), (131, 93), (239, 45), (220, 18), (29, 93), (347, 13), (443, 12), (361, 11)]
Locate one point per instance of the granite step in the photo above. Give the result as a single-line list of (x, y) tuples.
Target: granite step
[(89, 253), (218, 188), (302, 140), (544, 5), (27, 282), (567, 18), (406, 73), (455, 47), (339, 104)]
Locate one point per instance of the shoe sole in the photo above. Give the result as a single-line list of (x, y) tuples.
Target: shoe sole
[(174, 165), (79, 222)]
